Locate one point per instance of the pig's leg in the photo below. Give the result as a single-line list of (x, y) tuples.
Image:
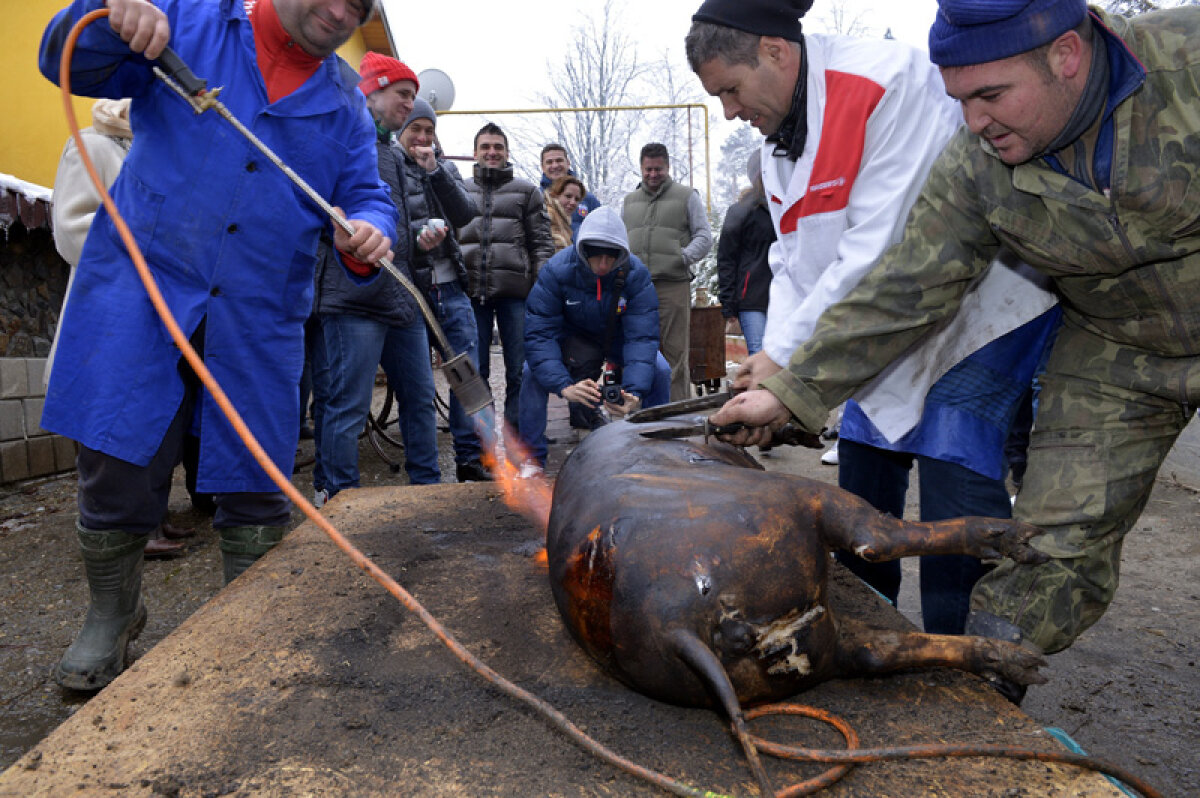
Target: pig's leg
[(866, 651), (847, 522)]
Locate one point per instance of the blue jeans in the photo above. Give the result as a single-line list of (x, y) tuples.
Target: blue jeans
[(534, 397), (457, 318), (947, 490), (754, 324), (509, 315), (343, 381)]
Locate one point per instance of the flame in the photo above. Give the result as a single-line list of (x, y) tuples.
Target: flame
[(503, 457)]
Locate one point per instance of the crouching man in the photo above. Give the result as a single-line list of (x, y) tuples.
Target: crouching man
[(593, 309)]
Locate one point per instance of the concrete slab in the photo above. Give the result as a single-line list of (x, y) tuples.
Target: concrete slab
[(304, 678)]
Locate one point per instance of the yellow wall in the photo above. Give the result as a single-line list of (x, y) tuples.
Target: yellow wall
[(33, 126), (353, 50)]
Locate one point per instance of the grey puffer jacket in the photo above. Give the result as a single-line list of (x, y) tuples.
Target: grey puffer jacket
[(383, 300), (509, 240), (439, 194)]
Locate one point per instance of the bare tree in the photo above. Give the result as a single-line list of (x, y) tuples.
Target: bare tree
[(680, 129), (600, 70), (1130, 8), (840, 17), (731, 174)]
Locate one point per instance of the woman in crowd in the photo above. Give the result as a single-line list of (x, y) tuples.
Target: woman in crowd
[(562, 198)]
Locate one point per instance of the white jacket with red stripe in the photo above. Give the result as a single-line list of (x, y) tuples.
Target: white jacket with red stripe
[(878, 115)]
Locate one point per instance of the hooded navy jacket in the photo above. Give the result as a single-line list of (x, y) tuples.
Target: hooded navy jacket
[(568, 299)]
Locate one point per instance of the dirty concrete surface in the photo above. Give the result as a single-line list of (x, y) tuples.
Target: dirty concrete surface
[(338, 689), (1128, 691)]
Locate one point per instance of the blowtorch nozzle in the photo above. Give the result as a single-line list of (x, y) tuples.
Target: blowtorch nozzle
[(468, 386)]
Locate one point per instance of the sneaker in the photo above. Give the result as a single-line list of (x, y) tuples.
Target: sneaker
[(472, 471), (531, 470), (320, 497), (830, 457)]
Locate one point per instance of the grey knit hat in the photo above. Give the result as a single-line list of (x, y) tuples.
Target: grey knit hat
[(420, 110)]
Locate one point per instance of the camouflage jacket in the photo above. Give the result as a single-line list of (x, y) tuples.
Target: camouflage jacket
[(1126, 263)]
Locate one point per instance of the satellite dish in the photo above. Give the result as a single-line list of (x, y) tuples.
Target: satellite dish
[(436, 89)]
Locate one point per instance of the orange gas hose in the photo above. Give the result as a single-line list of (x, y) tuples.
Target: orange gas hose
[(841, 758)]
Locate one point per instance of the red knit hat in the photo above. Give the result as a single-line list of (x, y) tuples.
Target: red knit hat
[(380, 70)]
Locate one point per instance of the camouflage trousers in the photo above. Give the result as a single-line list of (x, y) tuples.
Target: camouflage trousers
[(1107, 416)]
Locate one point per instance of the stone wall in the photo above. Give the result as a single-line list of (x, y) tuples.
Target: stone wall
[(33, 282), (27, 450)]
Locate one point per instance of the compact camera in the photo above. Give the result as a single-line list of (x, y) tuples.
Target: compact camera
[(610, 388)]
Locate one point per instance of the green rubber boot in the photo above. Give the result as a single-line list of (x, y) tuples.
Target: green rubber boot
[(116, 614), (242, 545)]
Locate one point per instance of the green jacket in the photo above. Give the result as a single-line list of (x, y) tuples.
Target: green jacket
[(659, 230), (1125, 264)]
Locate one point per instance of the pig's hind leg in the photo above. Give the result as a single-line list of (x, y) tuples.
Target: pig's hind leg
[(862, 650), (849, 523)]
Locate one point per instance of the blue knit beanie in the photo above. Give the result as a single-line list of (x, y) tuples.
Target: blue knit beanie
[(969, 32)]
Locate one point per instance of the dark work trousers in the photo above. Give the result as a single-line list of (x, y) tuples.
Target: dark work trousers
[(947, 490), (115, 494)]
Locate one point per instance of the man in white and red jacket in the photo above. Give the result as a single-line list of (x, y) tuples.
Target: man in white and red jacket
[(852, 128)]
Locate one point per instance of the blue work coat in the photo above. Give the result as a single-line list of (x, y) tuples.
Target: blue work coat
[(229, 238)]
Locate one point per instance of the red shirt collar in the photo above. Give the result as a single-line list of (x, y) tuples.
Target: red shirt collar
[(283, 63)]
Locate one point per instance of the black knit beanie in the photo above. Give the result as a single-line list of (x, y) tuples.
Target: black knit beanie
[(763, 17)]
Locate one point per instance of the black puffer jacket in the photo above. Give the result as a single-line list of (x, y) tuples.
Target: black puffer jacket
[(509, 240), (383, 300), (742, 269), (439, 194)]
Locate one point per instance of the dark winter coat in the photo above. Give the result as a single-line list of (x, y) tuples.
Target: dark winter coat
[(384, 300), (569, 300), (439, 194), (743, 273), (506, 244)]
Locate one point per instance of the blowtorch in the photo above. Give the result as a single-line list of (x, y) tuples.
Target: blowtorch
[(461, 374)]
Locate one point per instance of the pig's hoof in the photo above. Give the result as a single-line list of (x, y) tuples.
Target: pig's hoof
[(1010, 662), (1010, 539)]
